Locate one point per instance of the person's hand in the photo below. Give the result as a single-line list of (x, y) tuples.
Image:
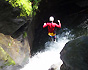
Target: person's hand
[(44, 23), (58, 21)]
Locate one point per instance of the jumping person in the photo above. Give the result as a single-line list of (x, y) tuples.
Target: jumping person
[(51, 27)]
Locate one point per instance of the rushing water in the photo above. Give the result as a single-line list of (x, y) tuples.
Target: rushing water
[(49, 57)]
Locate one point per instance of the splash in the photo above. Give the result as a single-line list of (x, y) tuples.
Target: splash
[(48, 57)]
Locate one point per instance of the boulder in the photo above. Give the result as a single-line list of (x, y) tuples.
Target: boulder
[(12, 51), (75, 54)]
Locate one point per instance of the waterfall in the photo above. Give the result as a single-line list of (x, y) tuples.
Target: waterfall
[(49, 57)]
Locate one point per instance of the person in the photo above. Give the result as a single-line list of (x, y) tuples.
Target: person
[(51, 27)]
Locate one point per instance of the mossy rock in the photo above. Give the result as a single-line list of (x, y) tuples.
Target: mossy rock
[(5, 59)]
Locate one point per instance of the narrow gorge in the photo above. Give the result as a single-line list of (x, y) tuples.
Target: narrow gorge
[(23, 39)]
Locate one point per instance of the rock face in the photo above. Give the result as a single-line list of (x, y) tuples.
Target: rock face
[(13, 52), (14, 44), (74, 54), (9, 23), (71, 13), (16, 36)]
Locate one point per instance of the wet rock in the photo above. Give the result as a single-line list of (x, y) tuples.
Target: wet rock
[(12, 51), (74, 54), (10, 21), (54, 67)]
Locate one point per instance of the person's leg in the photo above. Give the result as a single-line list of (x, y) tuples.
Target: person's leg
[(54, 37), (50, 37)]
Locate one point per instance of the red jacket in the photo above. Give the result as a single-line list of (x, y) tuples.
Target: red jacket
[(51, 26)]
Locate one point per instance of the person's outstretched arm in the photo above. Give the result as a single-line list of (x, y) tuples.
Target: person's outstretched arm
[(45, 25), (59, 26)]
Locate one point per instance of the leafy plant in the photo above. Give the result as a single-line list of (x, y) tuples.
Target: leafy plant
[(27, 6)]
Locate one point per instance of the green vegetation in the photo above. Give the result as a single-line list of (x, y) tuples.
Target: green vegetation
[(27, 6), (25, 34), (9, 44), (4, 56)]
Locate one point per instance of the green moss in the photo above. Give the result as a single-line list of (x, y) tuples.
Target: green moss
[(9, 61), (9, 44), (4, 56), (25, 34)]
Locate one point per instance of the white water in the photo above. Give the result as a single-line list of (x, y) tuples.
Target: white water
[(49, 57)]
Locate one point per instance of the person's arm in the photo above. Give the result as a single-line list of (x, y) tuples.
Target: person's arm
[(59, 26), (58, 21), (45, 25)]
